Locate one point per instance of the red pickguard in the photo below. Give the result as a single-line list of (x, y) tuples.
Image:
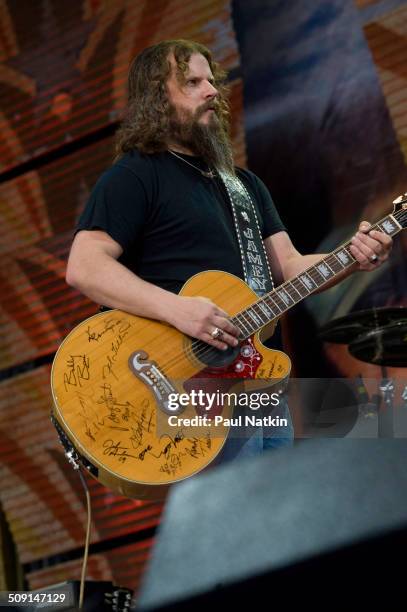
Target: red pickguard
[(211, 380)]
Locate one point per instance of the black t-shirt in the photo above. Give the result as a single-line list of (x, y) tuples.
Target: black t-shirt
[(171, 221)]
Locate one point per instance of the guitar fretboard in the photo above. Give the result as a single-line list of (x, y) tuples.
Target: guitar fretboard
[(284, 297)]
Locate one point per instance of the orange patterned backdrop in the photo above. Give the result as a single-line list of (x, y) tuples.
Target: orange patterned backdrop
[(63, 86), (63, 72)]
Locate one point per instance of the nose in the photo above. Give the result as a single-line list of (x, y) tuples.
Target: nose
[(210, 91)]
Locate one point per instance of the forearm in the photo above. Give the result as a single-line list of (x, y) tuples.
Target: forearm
[(94, 269), (106, 281)]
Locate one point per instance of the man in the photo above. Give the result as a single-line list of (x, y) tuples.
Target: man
[(163, 212)]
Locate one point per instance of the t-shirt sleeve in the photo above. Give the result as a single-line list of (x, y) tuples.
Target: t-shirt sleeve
[(118, 205), (271, 219)]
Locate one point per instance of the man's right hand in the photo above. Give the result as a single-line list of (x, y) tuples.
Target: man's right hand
[(199, 317)]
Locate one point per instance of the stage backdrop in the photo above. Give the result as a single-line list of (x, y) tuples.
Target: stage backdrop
[(325, 92), (324, 87), (63, 87)]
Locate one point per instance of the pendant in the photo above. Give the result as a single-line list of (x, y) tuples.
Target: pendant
[(209, 174)]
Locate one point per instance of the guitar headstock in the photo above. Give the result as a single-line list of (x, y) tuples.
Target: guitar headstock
[(400, 203), (400, 210)]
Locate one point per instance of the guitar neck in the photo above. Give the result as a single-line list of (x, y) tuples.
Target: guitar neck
[(285, 296)]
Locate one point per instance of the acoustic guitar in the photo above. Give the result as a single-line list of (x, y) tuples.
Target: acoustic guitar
[(115, 377)]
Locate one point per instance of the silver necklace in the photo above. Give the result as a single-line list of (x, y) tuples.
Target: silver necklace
[(207, 174)]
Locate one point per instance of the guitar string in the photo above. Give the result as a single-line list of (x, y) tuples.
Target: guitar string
[(206, 349)]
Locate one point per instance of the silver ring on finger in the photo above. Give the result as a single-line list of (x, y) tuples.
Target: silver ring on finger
[(217, 333), (373, 258)]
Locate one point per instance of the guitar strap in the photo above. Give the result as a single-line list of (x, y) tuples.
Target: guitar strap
[(256, 268)]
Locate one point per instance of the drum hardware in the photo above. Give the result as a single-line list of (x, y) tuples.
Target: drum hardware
[(377, 336), (386, 409)]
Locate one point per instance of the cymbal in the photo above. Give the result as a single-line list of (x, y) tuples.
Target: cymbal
[(386, 346), (346, 329)]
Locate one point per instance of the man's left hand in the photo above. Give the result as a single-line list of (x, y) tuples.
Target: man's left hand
[(370, 248)]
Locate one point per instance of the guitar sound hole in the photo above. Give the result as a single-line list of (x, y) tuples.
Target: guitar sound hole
[(213, 357)]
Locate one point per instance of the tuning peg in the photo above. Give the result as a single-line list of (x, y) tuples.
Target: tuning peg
[(399, 199)]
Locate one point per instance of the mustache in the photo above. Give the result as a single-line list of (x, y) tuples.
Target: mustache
[(210, 105)]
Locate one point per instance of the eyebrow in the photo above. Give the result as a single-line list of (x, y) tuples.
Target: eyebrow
[(210, 78)]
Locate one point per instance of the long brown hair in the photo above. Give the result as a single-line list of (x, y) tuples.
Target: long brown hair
[(146, 122)]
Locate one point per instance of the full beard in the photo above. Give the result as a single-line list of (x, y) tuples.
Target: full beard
[(209, 141)]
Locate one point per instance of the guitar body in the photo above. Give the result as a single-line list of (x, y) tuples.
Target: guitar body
[(112, 376)]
